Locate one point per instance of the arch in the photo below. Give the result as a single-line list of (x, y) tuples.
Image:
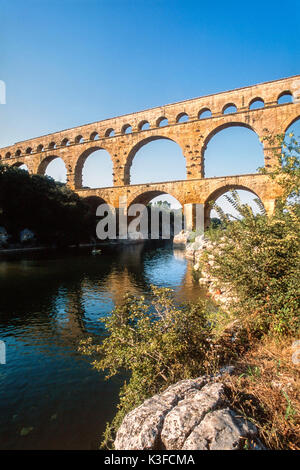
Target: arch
[(93, 202), (143, 125), (52, 145), (291, 134), (126, 129), (204, 113), (290, 121), (79, 139), (182, 117), (147, 196), (136, 148), (81, 161), (229, 108), (285, 97), (65, 142), (40, 148), (222, 127), (218, 192), (28, 151), (18, 153), (20, 164), (109, 132), (94, 136), (161, 231), (256, 103), (42, 168), (7, 155), (162, 122)]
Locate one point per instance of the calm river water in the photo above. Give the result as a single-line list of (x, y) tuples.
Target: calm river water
[(50, 396)]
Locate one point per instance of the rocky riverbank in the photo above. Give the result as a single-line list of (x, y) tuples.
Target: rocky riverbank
[(189, 415), (195, 247)]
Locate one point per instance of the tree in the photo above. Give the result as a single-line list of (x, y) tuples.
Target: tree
[(51, 210)]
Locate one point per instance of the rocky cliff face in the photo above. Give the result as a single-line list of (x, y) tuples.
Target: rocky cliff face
[(190, 415)]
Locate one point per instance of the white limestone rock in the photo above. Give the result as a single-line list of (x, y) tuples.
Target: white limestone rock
[(223, 430), (189, 415)]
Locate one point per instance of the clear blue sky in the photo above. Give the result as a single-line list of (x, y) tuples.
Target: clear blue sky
[(71, 62)]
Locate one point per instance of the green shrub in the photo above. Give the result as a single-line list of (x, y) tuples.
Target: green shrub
[(258, 257), (157, 344)]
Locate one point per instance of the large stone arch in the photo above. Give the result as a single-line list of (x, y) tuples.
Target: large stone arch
[(219, 128), (81, 160), (93, 202), (290, 121), (141, 143), (222, 189), (43, 164), (145, 196)]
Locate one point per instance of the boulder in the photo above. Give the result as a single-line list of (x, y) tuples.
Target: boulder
[(189, 415), (223, 430)]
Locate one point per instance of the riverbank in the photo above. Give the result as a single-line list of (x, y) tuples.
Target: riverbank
[(265, 386)]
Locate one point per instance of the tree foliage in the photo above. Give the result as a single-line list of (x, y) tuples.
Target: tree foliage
[(258, 257), (51, 210), (158, 344)]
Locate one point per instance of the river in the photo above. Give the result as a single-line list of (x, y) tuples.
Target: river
[(50, 396)]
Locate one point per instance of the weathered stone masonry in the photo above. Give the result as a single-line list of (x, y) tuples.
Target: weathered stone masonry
[(123, 136)]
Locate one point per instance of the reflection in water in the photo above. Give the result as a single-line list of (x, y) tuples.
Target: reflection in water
[(47, 306)]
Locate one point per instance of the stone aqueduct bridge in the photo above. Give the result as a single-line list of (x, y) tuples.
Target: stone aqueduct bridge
[(123, 136)]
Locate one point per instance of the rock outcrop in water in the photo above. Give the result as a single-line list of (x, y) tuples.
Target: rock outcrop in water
[(190, 415)]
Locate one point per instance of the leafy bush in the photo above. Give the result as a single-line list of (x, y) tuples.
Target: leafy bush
[(158, 344), (258, 257)]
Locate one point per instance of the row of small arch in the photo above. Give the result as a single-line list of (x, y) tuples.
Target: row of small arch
[(162, 121)]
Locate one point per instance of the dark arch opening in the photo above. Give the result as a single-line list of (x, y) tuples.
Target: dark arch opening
[(93, 202), (155, 159), (94, 136), (109, 132), (21, 166), (79, 139), (232, 149), (94, 169), (126, 129), (143, 126), (65, 142), (55, 167)]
